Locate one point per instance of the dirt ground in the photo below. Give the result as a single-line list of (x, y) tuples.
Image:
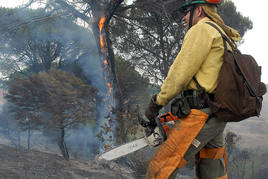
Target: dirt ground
[(20, 164)]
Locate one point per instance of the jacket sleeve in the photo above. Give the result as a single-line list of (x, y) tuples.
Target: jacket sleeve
[(195, 49)]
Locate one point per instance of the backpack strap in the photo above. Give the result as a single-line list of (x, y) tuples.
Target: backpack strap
[(226, 39), (196, 83)]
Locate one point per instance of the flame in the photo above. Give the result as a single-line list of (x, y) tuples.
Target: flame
[(110, 88), (109, 98), (102, 43), (101, 23), (105, 62), (109, 85), (101, 26)]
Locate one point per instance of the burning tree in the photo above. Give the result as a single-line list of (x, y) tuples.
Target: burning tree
[(38, 40), (97, 14), (53, 100)]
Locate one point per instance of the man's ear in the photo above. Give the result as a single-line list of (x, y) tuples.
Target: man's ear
[(200, 12)]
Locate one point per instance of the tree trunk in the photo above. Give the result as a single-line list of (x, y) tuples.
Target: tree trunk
[(62, 145), (29, 138), (19, 140)]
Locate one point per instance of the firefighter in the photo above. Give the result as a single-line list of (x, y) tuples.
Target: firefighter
[(198, 133)]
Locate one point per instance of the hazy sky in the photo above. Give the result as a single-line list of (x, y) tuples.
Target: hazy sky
[(255, 39)]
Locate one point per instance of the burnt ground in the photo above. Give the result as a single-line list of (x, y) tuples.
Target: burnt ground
[(21, 164)]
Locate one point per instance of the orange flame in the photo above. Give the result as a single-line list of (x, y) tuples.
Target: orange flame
[(101, 41), (109, 85), (101, 23), (105, 62), (110, 88)]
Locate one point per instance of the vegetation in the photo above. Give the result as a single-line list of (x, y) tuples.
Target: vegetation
[(34, 41), (133, 95), (51, 99), (31, 46), (149, 35), (52, 72), (231, 17)]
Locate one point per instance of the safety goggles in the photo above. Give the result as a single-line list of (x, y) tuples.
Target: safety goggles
[(178, 15), (186, 11)]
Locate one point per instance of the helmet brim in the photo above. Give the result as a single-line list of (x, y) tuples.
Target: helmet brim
[(183, 8)]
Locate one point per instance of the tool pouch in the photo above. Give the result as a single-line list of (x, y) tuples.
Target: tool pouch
[(196, 98), (180, 107)]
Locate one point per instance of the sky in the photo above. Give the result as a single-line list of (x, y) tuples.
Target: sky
[(255, 40)]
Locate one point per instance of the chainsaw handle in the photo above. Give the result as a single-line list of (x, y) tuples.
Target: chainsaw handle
[(167, 117), (143, 122), (162, 130), (160, 122)]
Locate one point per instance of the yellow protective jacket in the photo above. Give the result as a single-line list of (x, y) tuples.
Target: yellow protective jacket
[(201, 56)]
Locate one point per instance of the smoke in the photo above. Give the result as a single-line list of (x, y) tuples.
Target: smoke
[(77, 45), (82, 142), (93, 68)]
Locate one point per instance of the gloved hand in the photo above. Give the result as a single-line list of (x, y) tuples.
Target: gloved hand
[(152, 111)]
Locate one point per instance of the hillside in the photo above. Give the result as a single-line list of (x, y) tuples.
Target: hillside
[(253, 131), (36, 164), (17, 164)]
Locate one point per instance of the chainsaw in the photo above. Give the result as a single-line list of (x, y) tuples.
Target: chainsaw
[(154, 136)]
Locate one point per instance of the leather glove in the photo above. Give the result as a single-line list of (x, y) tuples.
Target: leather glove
[(152, 111)]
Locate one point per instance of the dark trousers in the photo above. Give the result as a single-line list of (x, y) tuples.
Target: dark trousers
[(210, 136)]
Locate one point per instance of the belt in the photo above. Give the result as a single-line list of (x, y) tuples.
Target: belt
[(196, 99)]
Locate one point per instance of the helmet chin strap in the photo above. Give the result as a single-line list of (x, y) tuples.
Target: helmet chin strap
[(191, 16)]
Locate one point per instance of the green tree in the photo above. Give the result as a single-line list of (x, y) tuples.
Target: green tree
[(90, 12), (148, 35), (52, 99), (132, 85), (134, 93), (33, 41), (233, 18)]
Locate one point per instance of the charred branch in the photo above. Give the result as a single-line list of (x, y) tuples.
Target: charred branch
[(75, 12)]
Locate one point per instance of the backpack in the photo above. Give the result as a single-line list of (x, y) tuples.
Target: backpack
[(239, 92)]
